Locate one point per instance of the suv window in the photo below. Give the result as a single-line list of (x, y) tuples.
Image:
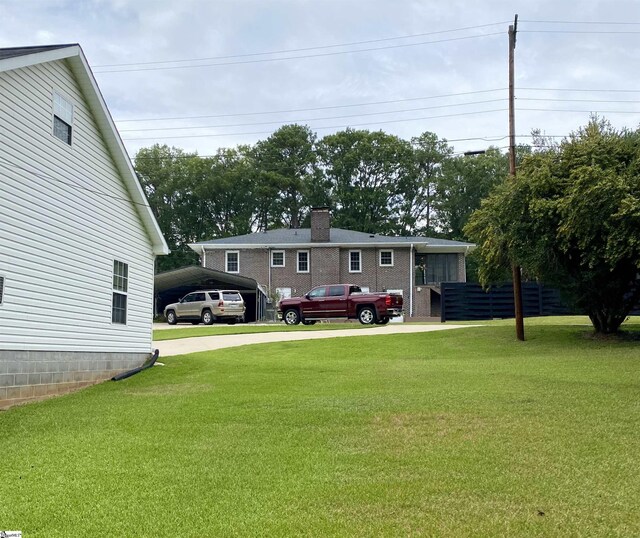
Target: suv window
[(318, 292), (198, 297), (188, 298), (231, 296), (214, 296)]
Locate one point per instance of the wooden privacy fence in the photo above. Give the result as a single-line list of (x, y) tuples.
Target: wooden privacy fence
[(467, 301)]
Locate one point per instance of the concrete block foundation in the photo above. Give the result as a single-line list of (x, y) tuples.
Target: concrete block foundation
[(27, 376)]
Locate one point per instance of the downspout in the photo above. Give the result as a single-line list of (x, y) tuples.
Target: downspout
[(411, 263), (269, 266), (204, 257)]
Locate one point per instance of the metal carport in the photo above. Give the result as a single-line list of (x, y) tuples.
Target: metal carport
[(171, 286)]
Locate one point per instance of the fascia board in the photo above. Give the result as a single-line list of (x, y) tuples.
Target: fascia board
[(107, 127), (28, 60)]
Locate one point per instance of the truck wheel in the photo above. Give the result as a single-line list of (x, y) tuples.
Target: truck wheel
[(367, 315), (207, 317), (291, 317), (383, 320), (171, 318)]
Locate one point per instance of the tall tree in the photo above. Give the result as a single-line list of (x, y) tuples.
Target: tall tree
[(164, 173), (286, 167), (571, 219), (367, 171), (418, 192), (463, 183)]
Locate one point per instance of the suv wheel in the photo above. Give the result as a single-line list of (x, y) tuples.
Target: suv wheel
[(207, 317), (291, 317), (171, 318)]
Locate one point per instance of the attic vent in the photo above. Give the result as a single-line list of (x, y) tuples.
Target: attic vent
[(1, 288)]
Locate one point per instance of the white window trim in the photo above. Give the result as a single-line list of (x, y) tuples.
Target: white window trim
[(68, 121), (359, 261), (226, 261), (380, 258), (120, 292), (298, 262), (284, 261)]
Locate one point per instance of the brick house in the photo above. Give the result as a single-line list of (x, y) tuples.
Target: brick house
[(292, 261)]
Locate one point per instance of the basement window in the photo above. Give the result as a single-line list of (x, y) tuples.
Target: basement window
[(62, 118)]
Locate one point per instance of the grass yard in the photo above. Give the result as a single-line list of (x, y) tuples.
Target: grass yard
[(215, 330), (460, 433)]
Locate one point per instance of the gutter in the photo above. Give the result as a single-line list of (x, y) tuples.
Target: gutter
[(148, 364)]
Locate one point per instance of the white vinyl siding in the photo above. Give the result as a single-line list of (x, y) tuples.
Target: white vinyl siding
[(66, 216)]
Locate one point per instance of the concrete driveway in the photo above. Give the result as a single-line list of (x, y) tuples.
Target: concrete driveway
[(183, 346)]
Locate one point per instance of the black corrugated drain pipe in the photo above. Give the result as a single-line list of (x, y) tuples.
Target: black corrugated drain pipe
[(148, 364)]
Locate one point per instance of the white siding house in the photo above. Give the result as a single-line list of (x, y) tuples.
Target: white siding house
[(77, 237)]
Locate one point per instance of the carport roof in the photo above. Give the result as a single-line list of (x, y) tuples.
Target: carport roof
[(201, 276)]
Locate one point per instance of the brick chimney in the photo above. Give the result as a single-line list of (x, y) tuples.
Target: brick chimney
[(320, 225)]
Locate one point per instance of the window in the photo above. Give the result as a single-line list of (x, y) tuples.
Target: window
[(436, 268), (303, 261), (120, 289), (277, 258), (232, 261), (318, 292), (62, 118), (214, 296), (355, 265), (386, 258), (336, 291)]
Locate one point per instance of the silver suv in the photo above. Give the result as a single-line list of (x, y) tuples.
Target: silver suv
[(206, 307)]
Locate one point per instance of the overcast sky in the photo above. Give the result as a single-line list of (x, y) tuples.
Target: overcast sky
[(438, 66)]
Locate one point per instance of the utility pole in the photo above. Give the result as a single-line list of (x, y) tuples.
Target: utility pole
[(515, 269)]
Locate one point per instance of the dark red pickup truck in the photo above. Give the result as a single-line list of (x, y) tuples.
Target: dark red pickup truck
[(340, 301)]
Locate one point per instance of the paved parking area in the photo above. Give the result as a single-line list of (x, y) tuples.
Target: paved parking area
[(182, 346)]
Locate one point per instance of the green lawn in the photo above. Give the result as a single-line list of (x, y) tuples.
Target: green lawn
[(461, 433), (215, 330)]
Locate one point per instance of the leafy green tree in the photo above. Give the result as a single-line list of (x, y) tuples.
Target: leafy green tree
[(286, 171), (164, 173), (367, 172), (419, 189), (464, 181), (571, 219)]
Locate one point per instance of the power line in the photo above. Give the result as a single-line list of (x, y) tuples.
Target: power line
[(594, 90), (581, 22), (324, 54), (302, 120), (615, 32), (312, 119), (371, 103), (320, 128), (305, 49)]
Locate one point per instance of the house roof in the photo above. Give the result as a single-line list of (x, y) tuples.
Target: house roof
[(19, 57), (286, 237)]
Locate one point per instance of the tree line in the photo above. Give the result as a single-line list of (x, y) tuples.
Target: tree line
[(372, 181)]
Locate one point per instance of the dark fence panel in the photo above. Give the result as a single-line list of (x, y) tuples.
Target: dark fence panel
[(467, 301)]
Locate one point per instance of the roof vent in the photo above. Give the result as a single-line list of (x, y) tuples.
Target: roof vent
[(372, 235)]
